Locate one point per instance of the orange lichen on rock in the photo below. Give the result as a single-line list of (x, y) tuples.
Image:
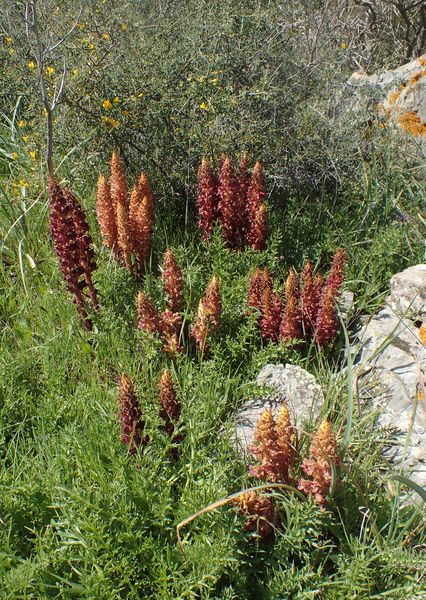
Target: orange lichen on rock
[(417, 76), (410, 121), (422, 333)]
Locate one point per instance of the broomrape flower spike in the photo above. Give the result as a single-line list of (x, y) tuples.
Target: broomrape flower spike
[(274, 447), (207, 201), (310, 298), (291, 324), (227, 206), (73, 246), (323, 451), (105, 212), (148, 316), (141, 219), (270, 318), (131, 424), (172, 282), (120, 202), (170, 408), (208, 314), (262, 517), (242, 188), (255, 199)]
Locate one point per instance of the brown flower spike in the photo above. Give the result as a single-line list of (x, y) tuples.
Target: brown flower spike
[(291, 324), (323, 451), (148, 316), (131, 424), (208, 314), (255, 200), (310, 298)]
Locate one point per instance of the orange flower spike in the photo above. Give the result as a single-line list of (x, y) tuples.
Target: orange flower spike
[(172, 282), (212, 302), (271, 448), (291, 323), (106, 214), (171, 324), (327, 324), (255, 290), (118, 181), (200, 328), (261, 512), (323, 451), (148, 316), (286, 435), (131, 424), (124, 234), (206, 200), (227, 207)]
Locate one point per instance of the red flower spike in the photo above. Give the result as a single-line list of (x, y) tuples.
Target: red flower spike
[(337, 272), (270, 318), (261, 514), (227, 207), (327, 324), (255, 199), (172, 282), (255, 290), (132, 426), (170, 407), (241, 202), (310, 299), (207, 200), (148, 316), (323, 451), (105, 213)]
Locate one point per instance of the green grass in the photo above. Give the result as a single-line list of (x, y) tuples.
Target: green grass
[(81, 518)]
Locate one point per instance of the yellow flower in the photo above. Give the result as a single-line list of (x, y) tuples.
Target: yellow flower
[(11, 51), (75, 71), (105, 36), (33, 154), (214, 80), (23, 183), (14, 155), (81, 26), (31, 64), (203, 106), (344, 45), (50, 71), (21, 123), (116, 100), (201, 79), (123, 27), (125, 112), (106, 104), (108, 122), (91, 46), (9, 40), (25, 138)]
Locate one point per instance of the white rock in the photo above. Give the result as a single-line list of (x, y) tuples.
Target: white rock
[(288, 383), (408, 292)]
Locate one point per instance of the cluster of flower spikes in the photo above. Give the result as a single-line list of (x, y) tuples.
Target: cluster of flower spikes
[(73, 246), (323, 453), (237, 201), (260, 513), (167, 324), (208, 315), (126, 223), (309, 308), (131, 424)]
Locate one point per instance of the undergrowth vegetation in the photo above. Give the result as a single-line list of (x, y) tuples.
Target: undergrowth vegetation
[(119, 476)]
